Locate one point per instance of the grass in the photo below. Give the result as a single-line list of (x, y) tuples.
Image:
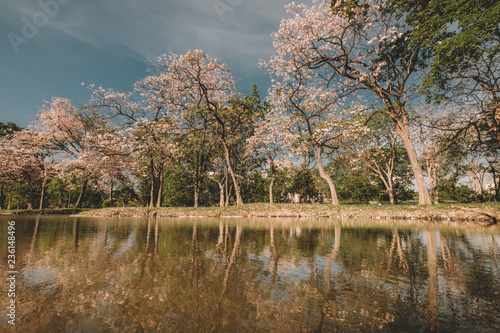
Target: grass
[(51, 211), (478, 212), (450, 212)]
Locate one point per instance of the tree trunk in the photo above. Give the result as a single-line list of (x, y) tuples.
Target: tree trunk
[(228, 193), (327, 178), (111, 194), (391, 196), (493, 119), (152, 192), (387, 181), (44, 184), (221, 194), (2, 199), (197, 180), (42, 195), (160, 189), (432, 174), (226, 188), (273, 180), (237, 189), (197, 185), (196, 195), (271, 187), (82, 193), (402, 130)]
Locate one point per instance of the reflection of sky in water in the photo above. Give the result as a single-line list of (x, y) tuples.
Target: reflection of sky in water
[(126, 245), (42, 277)]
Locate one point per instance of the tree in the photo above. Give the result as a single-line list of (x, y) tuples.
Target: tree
[(8, 165), (463, 38), (153, 144), (356, 48), (71, 134), (433, 143), (315, 117), (271, 139), (197, 83), (8, 128), (379, 152), (39, 151)]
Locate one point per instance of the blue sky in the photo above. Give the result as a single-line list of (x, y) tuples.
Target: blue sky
[(49, 47)]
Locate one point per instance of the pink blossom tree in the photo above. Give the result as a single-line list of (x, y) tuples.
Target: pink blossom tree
[(355, 48), (153, 143), (316, 117), (38, 151), (27, 158), (272, 139), (147, 130), (195, 82), (379, 151), (72, 135)]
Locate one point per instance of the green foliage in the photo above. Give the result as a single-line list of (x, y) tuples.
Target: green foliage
[(465, 194), (57, 192), (304, 184), (456, 32), (178, 190), (21, 196), (255, 188), (8, 128), (353, 184)]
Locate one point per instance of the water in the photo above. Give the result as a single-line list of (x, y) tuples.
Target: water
[(237, 275)]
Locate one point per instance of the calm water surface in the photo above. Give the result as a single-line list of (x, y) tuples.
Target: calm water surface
[(238, 275)]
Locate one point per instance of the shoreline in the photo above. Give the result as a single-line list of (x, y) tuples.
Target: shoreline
[(484, 214)]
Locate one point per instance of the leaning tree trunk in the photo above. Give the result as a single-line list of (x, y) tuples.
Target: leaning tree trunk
[(221, 194), (82, 193), (237, 189), (402, 129), (44, 184), (327, 178), (160, 189)]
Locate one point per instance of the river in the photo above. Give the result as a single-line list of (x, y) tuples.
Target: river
[(237, 274)]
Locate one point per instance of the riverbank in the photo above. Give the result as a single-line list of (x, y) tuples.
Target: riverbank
[(488, 213), (61, 211)]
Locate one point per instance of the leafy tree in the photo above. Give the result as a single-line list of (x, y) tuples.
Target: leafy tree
[(463, 38), (356, 48), (380, 153), (8, 128)]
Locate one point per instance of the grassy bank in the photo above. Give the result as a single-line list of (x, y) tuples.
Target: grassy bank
[(62, 211), (484, 213)]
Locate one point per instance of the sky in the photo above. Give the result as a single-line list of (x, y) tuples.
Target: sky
[(48, 48)]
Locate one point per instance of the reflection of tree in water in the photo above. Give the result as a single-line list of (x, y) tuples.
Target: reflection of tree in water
[(150, 275)]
